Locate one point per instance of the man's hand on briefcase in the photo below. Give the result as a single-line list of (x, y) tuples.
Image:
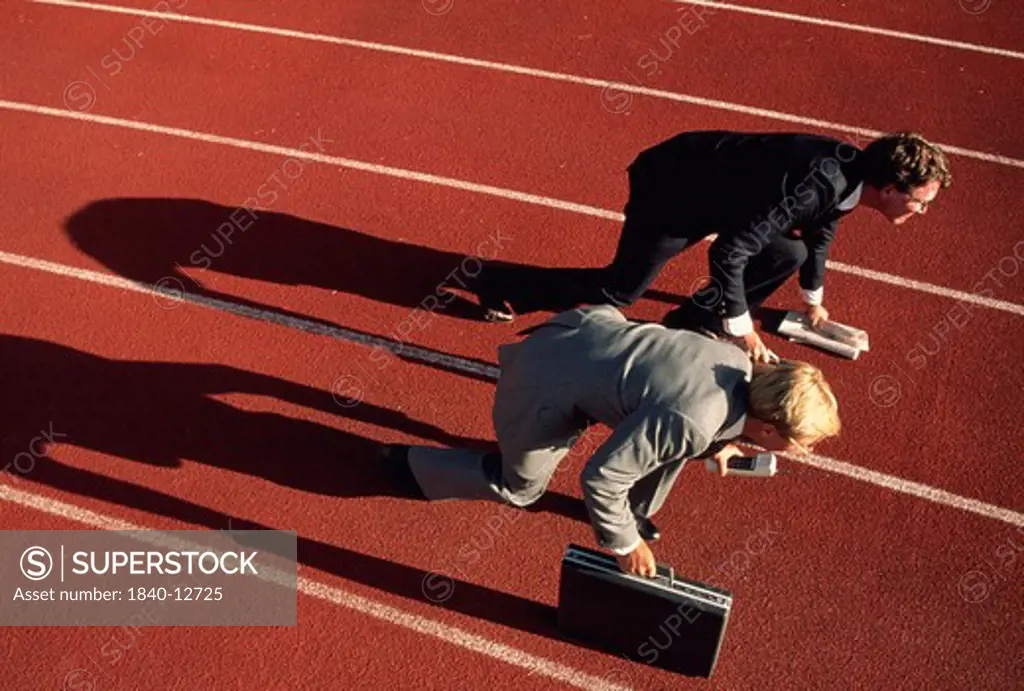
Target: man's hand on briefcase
[(639, 562)]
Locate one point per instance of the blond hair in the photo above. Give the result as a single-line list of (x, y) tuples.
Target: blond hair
[(795, 398)]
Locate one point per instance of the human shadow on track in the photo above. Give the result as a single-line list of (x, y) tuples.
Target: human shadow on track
[(153, 240), (161, 413)]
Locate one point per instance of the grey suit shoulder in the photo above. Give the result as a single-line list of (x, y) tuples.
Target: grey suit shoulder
[(610, 366)]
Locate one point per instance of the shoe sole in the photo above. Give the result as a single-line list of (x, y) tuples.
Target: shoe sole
[(496, 316), (493, 314)]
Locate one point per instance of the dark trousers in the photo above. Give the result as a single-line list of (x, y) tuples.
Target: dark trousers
[(649, 239), (765, 273), (644, 248)]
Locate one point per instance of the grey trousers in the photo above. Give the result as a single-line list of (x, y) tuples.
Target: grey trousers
[(537, 425), (519, 475)]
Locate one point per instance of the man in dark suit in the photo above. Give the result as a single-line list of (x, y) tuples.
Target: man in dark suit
[(773, 201)]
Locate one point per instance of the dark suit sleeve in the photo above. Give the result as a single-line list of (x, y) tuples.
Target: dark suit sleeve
[(800, 205), (732, 251), (818, 240), (729, 255)]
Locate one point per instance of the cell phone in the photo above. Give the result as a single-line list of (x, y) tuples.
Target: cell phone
[(761, 465)]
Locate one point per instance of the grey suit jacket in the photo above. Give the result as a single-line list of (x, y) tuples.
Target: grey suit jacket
[(667, 394)]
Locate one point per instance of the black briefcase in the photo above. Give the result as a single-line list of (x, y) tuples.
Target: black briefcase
[(668, 622)]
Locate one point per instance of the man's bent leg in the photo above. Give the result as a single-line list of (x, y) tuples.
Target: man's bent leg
[(534, 434), (518, 478), (525, 475), (767, 271), (451, 473), (643, 251), (529, 289)]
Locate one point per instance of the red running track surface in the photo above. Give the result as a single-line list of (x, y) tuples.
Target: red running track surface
[(847, 580)]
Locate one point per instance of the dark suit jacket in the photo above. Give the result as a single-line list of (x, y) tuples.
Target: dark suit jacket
[(748, 188)]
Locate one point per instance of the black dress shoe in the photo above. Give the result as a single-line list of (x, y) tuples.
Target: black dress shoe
[(395, 458), (489, 286), (648, 531), (495, 310)]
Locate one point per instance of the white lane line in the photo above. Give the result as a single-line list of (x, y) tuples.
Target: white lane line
[(343, 598), (862, 28), (405, 350), (527, 71), (941, 291), (312, 156), (457, 363), (463, 185), (914, 489)]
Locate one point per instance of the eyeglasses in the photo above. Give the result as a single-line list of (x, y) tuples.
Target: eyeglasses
[(801, 449)]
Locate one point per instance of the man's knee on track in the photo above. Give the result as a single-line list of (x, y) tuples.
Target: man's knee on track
[(524, 496), (518, 490)]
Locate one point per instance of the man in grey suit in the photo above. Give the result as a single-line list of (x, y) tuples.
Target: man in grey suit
[(668, 395)]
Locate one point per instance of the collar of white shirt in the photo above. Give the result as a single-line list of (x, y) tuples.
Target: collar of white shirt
[(852, 200)]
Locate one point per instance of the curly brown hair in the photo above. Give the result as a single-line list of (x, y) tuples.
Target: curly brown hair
[(904, 159)]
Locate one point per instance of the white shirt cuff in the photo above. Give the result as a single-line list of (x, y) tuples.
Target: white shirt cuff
[(813, 297), (622, 551), (738, 326)]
